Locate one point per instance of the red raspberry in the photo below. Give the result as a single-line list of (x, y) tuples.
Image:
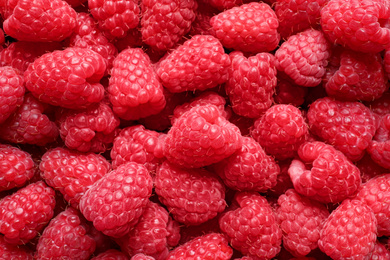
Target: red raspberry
[(303, 57), (8, 251), (192, 196), (201, 137), (243, 123), (348, 126), (66, 237), (26, 212), (115, 17), (281, 130), (251, 83), (248, 169), (249, 28), (41, 21), (68, 78), (89, 130), (116, 201), (141, 256), (164, 23), (380, 106), (7, 7), (153, 235), (323, 173), (287, 92), (349, 232), (111, 254), (209, 246), (72, 172), (251, 226), (380, 252), (301, 221), (134, 89), (11, 91), (380, 145), (358, 25), (199, 64)]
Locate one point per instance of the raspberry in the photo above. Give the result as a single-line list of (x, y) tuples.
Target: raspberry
[(141, 256), (68, 78), (349, 232), (115, 17), (40, 21), (8, 251), (289, 93), (251, 83), (111, 254), (283, 181), (249, 169), (380, 251), (323, 173), (7, 7), (201, 137), (348, 126), (303, 57), (26, 212), (368, 168), (134, 89), (249, 28), (251, 226), (380, 145), (199, 64), (153, 235), (358, 25), (380, 106), (192, 196), (164, 23), (209, 246), (116, 201), (72, 172), (66, 237), (11, 91)]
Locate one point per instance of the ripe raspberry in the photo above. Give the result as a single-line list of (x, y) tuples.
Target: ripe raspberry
[(115, 17), (248, 169), (348, 126), (72, 172), (380, 145), (201, 137), (26, 212), (251, 83), (349, 232), (358, 25), (116, 201), (303, 57), (199, 64), (8, 251), (11, 91), (134, 89), (249, 28), (66, 237), (287, 92), (164, 23), (68, 78), (153, 235), (301, 221), (251, 226), (89, 130), (192, 196), (380, 252), (380, 106), (323, 173), (111, 254), (7, 7), (40, 21), (141, 256), (209, 246)]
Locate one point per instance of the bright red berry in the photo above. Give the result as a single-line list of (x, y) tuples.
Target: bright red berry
[(380, 145), (11, 91), (20, 252)]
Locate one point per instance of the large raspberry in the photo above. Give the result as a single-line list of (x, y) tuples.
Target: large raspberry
[(11, 91), (380, 145), (8, 251)]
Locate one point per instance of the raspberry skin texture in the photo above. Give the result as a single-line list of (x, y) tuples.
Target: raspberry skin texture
[(7, 7), (301, 221), (249, 28), (248, 169), (26, 212), (72, 172), (41, 21), (67, 78), (8, 251), (349, 232), (201, 137), (251, 83), (164, 23), (281, 130), (357, 24), (116, 201), (66, 237), (380, 145), (200, 63), (251, 226), (380, 251), (192, 196), (347, 125), (209, 246), (323, 173), (304, 57), (11, 91)]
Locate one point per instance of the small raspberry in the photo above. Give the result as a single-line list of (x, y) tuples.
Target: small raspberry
[(380, 145), (8, 251), (111, 254), (11, 91)]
